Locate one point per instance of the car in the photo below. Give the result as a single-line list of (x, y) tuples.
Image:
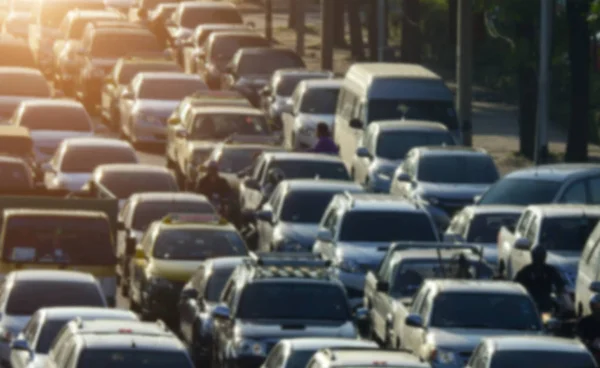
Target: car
[(16, 21), (276, 95), (365, 357), (119, 78), (357, 228), (385, 146), (26, 291), (445, 179), (146, 104), (16, 142), (139, 212), (312, 102), (264, 303), (150, 5), (195, 46), (18, 84), (30, 348), (75, 160), (220, 48), (289, 221), (50, 122), (251, 69), (543, 184), (530, 351), (16, 174), (119, 345), (176, 242), (15, 53), (120, 181)]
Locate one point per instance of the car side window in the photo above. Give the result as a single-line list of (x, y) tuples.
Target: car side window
[(410, 167), (532, 229), (479, 357), (523, 222), (69, 356), (591, 244), (198, 279), (426, 306), (575, 193), (227, 292), (419, 297), (331, 220), (146, 241), (30, 330), (594, 190), (458, 224), (275, 359), (313, 364), (258, 170)]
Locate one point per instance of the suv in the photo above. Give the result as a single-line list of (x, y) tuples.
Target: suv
[(357, 229), (264, 302)]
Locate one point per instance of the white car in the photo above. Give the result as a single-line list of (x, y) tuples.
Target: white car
[(72, 165), (18, 85), (52, 121), (312, 102), (150, 99)]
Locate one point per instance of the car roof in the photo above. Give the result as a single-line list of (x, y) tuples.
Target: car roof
[(95, 142), (225, 262), (169, 197), (450, 150), (477, 286), (265, 50), (61, 313), (325, 185), (301, 156), (322, 83), (493, 209), (368, 358), (168, 75), (208, 4), (89, 13), (554, 172), (224, 109), (47, 102), (52, 275), (428, 254), (123, 30), (145, 168), (120, 341), (248, 146), (20, 70), (228, 227), (380, 202), (9, 212), (371, 71), (315, 343), (137, 60), (409, 125), (217, 26), (536, 343), (110, 327), (565, 210)]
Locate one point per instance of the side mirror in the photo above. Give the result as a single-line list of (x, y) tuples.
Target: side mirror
[(251, 184), (361, 314), (383, 286), (181, 134), (414, 320), (324, 236), (189, 294), (477, 198), (522, 244), (174, 121), (363, 152), (221, 312), (127, 95), (356, 124), (403, 177), (265, 215), (595, 286), (21, 345), (139, 253)]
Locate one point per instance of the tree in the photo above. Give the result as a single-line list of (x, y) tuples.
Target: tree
[(339, 23), (411, 31), (292, 14), (357, 45)]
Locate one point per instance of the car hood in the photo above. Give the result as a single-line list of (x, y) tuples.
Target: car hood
[(452, 191), (280, 329), (304, 234), (465, 339), (368, 254), (179, 271), (14, 323), (8, 105), (158, 108), (74, 181)]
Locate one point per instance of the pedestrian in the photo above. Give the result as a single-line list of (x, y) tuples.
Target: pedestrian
[(325, 143)]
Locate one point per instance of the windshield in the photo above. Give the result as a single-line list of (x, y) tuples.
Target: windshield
[(124, 184), (437, 111), (566, 233), (116, 44), (293, 301), (26, 297), (541, 359), (221, 126), (485, 311), (128, 71), (409, 275), (58, 118), (192, 17), (16, 55), (56, 239), (288, 83), (133, 358), (320, 101), (19, 84), (52, 13), (381, 226), (299, 358), (236, 160), (521, 192), (147, 212), (395, 145), (296, 169), (199, 244), (85, 160), (484, 228), (216, 284), (449, 169), (174, 89), (226, 47), (14, 176), (305, 207), (266, 63)]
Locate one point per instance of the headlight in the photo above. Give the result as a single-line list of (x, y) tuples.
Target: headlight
[(349, 265), (159, 282), (445, 357), (250, 347)]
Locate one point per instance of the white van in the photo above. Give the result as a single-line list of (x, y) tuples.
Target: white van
[(389, 91)]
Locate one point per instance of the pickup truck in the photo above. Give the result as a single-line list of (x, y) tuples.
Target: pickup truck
[(562, 229), (390, 289)]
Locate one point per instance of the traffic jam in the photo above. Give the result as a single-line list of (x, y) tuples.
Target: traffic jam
[(178, 191)]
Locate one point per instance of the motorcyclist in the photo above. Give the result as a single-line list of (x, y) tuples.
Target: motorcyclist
[(541, 279), (212, 183), (324, 143), (588, 328)]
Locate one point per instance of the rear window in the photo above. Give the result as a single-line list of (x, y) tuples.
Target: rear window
[(58, 240), (19, 84), (199, 244), (16, 55), (457, 169), (174, 89), (133, 358), (305, 207), (320, 101), (147, 212), (117, 44), (124, 185), (128, 71), (296, 169), (85, 160), (266, 63), (26, 297), (375, 226), (192, 17), (225, 47), (216, 284), (484, 228), (542, 359), (59, 118), (14, 176)]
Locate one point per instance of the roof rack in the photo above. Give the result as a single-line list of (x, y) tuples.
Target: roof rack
[(288, 271), (404, 245)]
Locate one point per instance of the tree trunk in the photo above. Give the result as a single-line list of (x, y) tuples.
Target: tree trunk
[(292, 14), (372, 29), (411, 32), (356, 37), (452, 22), (339, 33), (579, 57), (528, 92)]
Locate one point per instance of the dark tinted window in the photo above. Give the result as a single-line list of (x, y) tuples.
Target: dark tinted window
[(15, 176), (193, 17), (395, 145), (49, 331), (26, 297), (305, 207), (235, 160), (287, 84), (371, 226), (451, 169), (438, 111), (115, 44), (225, 47), (312, 169), (299, 358), (16, 55), (484, 228), (485, 312), (133, 358), (169, 89), (224, 125), (268, 62), (199, 244), (86, 159), (125, 184), (58, 239), (128, 71), (52, 13), (566, 233), (320, 101), (521, 192), (17, 146), (147, 212), (216, 284), (542, 359), (19, 84), (293, 301), (56, 118)]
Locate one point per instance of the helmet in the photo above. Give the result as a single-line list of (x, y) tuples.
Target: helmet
[(538, 255), (595, 305), (276, 175)]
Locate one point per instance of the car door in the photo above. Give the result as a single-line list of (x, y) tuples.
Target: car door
[(265, 228), (403, 189), (188, 307), (21, 358), (182, 134), (330, 222), (126, 106), (382, 313), (54, 167), (138, 266), (222, 328), (252, 197), (575, 193)]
